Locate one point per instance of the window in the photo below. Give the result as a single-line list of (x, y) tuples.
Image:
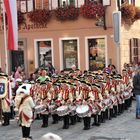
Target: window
[(42, 4), (69, 53), (134, 50), (25, 5), (95, 1), (30, 5), (63, 3), (44, 53), (96, 49), (128, 2), (1, 7)]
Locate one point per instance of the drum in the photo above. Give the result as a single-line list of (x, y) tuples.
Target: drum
[(72, 110), (126, 94), (106, 102), (62, 110), (40, 109), (110, 103), (94, 110), (52, 109), (82, 110)]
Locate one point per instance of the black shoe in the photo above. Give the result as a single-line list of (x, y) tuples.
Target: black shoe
[(65, 127), (119, 114), (44, 125), (37, 118), (86, 128), (103, 121), (96, 124), (5, 124), (54, 122), (30, 137), (110, 118)]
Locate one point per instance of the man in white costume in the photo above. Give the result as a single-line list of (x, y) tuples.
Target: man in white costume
[(24, 103)]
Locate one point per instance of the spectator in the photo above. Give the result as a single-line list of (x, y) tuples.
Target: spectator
[(136, 91), (18, 73), (113, 70), (43, 77), (1, 70), (51, 69), (32, 77)]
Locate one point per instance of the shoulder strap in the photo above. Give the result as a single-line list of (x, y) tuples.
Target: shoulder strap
[(23, 99)]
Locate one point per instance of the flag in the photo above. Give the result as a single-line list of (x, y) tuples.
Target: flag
[(11, 11)]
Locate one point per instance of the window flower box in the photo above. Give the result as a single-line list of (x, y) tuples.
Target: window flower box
[(67, 13), (21, 18), (128, 12), (92, 10), (40, 16)]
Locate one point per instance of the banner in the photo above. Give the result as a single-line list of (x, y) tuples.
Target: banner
[(11, 11)]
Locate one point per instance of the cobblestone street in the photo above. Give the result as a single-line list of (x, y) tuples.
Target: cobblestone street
[(124, 127)]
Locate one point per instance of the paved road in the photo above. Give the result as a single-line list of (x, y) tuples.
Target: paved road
[(124, 127)]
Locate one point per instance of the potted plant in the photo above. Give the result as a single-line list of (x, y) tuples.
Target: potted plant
[(67, 13), (128, 13), (21, 18), (40, 16), (92, 10)]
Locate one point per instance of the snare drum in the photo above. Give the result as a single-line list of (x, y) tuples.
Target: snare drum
[(52, 109), (82, 110), (94, 110), (72, 110), (62, 110), (126, 94), (40, 109)]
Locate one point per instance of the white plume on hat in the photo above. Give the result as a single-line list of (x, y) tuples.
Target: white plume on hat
[(50, 136), (24, 88), (73, 66), (18, 80)]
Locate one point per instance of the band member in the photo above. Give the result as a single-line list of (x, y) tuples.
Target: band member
[(6, 102), (72, 106), (24, 103), (97, 104), (65, 97), (46, 99), (87, 100), (53, 105)]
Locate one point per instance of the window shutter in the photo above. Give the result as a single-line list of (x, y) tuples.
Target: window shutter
[(130, 46)]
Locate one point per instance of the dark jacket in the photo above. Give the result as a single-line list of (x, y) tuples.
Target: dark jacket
[(136, 84)]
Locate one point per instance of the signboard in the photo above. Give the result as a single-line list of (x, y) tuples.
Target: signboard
[(3, 86), (117, 26)]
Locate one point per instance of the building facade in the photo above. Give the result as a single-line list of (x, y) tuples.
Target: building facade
[(86, 43)]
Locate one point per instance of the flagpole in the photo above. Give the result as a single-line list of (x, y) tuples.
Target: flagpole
[(5, 40)]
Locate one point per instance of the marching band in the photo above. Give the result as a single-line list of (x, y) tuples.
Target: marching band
[(74, 96)]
